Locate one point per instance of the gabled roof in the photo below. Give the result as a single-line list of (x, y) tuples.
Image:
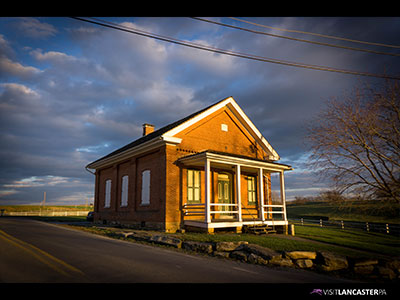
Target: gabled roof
[(167, 132)]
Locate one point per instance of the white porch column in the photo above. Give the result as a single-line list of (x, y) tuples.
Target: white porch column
[(207, 190), (261, 192), (238, 193), (282, 181)]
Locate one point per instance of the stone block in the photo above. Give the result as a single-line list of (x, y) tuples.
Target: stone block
[(198, 246), (255, 259), (166, 240), (280, 261), (228, 246), (363, 269), (332, 262), (301, 254), (304, 263), (258, 250), (239, 255), (365, 262), (221, 254), (386, 273)]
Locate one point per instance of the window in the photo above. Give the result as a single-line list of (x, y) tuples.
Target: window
[(108, 193), (251, 190), (145, 187), (193, 186), (124, 191)]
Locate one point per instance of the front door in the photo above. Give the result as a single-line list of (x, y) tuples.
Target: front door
[(224, 193)]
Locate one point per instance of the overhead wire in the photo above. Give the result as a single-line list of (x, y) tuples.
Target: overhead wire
[(296, 39), (317, 34), (227, 52)]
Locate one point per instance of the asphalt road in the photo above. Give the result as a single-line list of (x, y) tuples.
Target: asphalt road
[(37, 252)]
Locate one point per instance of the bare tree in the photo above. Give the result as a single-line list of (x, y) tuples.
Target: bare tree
[(356, 141)]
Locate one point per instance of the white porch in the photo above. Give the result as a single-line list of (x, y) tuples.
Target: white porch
[(211, 214)]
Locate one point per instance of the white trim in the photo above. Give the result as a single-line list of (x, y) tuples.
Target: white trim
[(208, 190), (139, 149), (261, 192), (238, 192), (283, 198), (232, 160), (238, 112), (197, 118), (253, 129)]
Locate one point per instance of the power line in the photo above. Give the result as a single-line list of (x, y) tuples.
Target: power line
[(296, 39), (228, 52), (318, 34)]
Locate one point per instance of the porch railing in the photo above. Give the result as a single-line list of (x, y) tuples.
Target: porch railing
[(198, 209), (224, 211), (195, 209), (269, 209)]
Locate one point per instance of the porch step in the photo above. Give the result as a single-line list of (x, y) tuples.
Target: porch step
[(258, 229)]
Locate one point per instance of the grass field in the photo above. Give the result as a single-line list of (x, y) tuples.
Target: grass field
[(363, 211)]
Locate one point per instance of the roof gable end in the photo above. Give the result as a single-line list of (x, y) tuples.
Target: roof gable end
[(231, 104)]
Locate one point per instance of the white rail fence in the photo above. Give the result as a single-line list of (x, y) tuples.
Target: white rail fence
[(387, 228)]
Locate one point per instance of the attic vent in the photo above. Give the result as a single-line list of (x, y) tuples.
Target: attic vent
[(224, 127)]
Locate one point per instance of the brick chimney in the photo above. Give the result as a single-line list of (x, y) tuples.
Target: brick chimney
[(147, 128)]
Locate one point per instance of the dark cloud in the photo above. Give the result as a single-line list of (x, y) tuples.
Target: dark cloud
[(71, 92)]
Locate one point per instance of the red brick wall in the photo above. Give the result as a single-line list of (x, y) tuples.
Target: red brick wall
[(135, 213), (168, 177)]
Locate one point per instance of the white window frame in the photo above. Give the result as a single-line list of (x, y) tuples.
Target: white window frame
[(146, 183), (107, 201), (124, 191)]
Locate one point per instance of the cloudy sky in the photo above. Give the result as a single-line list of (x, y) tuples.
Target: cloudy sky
[(71, 92)]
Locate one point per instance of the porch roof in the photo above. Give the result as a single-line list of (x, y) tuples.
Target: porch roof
[(198, 159)]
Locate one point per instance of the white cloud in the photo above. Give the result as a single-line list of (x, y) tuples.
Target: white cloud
[(20, 88), (33, 28), (37, 181), (53, 56), (9, 67)]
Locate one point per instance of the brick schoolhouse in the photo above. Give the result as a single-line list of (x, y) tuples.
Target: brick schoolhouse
[(207, 171)]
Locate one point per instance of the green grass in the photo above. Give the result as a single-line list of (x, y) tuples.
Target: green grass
[(362, 211), (378, 243), (311, 239)]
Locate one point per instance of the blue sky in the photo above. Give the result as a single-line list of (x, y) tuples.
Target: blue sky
[(71, 92)]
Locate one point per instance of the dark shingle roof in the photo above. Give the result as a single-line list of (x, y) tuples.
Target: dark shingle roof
[(155, 133)]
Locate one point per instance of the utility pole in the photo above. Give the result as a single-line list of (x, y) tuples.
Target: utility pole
[(44, 199)]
